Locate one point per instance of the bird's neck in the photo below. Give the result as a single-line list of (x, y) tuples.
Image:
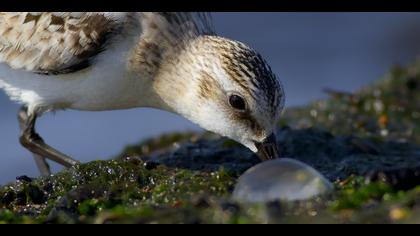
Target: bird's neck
[(177, 81), (175, 74), (175, 86)]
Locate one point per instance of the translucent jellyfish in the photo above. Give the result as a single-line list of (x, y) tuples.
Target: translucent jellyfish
[(280, 179)]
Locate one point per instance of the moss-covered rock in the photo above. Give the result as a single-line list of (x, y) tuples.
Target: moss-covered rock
[(386, 110), (85, 192)]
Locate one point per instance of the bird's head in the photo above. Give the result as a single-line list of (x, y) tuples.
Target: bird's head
[(228, 88)]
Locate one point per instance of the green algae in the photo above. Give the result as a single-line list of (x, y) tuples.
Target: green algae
[(113, 187), (167, 195), (386, 110)]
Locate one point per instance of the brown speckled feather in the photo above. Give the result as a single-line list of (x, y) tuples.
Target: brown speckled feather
[(53, 42)]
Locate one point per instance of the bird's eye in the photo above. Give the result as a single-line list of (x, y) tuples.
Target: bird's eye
[(237, 102)]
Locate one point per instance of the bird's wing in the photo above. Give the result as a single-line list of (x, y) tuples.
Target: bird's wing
[(54, 42)]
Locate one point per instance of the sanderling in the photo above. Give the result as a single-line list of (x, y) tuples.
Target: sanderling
[(108, 61)]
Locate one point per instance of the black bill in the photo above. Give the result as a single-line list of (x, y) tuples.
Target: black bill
[(267, 150)]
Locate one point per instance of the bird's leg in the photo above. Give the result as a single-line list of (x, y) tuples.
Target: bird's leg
[(40, 161), (34, 143)]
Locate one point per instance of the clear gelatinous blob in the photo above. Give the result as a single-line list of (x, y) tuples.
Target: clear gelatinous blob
[(280, 179)]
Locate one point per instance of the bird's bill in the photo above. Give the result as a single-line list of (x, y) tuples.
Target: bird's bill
[(267, 150)]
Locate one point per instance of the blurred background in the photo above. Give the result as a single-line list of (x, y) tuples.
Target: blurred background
[(308, 52)]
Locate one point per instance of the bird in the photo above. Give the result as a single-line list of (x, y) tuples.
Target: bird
[(172, 61)]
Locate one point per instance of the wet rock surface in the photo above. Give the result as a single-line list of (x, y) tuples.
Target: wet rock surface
[(207, 155), (366, 143), (337, 157)]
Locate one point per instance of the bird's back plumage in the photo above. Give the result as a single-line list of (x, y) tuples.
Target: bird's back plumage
[(54, 42), (65, 42)]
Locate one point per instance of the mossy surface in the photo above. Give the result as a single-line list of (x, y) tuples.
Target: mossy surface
[(92, 192), (386, 110), (366, 143)]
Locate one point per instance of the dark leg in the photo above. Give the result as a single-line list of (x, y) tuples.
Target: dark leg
[(34, 143)]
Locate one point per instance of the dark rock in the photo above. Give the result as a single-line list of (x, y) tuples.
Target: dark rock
[(209, 156), (397, 178), (8, 198), (29, 194), (150, 165), (24, 178), (360, 146), (48, 187), (336, 157), (36, 195), (66, 207), (21, 198)]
